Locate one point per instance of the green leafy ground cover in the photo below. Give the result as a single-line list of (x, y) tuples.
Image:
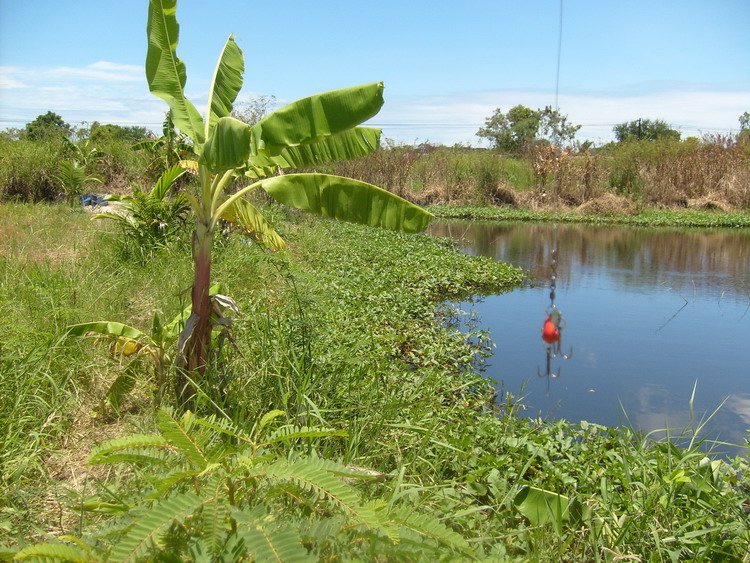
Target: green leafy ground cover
[(646, 218), (347, 333)]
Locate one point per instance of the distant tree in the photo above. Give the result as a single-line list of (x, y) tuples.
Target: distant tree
[(522, 126), (744, 136), (109, 131), (645, 130), (511, 132), (255, 109), (555, 127), (47, 125)]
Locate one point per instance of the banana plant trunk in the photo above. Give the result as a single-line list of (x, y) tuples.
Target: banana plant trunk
[(197, 352)]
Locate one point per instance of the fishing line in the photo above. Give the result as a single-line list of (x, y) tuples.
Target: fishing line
[(559, 57)]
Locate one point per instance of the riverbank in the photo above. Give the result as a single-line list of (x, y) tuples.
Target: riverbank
[(646, 218), (344, 331)]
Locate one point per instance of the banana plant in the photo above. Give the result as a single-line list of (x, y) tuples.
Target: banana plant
[(130, 344), (165, 151), (315, 130)]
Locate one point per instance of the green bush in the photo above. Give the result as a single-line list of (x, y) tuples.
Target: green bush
[(121, 165), (28, 169)]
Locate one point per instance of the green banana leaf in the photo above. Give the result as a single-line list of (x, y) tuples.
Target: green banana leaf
[(347, 200), (542, 507), (226, 84), (107, 328), (165, 72), (316, 117), (244, 214), (354, 143), (228, 147)]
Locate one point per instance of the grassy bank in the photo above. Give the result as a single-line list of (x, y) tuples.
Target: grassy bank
[(347, 332), (651, 218), (619, 179)]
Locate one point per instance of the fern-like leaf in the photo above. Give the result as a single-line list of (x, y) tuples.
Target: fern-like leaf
[(223, 426), (117, 450), (177, 432), (147, 529), (267, 418), (215, 514), (314, 477), (267, 541), (54, 552), (284, 545), (430, 527), (164, 485), (358, 473)]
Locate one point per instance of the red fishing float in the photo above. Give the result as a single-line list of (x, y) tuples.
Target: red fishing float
[(550, 331)]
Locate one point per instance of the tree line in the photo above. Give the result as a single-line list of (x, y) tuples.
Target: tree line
[(521, 127), (511, 132)]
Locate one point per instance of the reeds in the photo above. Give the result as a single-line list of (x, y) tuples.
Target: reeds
[(712, 173)]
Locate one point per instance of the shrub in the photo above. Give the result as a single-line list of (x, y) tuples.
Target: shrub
[(28, 169)]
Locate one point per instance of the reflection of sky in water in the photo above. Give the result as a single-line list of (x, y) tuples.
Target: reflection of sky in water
[(649, 313)]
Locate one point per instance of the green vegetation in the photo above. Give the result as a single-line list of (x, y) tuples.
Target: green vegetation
[(48, 125), (617, 179), (371, 397), (341, 413), (652, 218), (316, 130), (645, 130), (522, 127), (149, 219)]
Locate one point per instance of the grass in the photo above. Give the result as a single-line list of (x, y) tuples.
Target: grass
[(646, 218), (711, 173), (349, 330)]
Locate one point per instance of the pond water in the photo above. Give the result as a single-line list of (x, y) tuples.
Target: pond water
[(650, 314)]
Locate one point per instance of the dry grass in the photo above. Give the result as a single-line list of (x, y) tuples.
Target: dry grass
[(709, 174), (607, 204)]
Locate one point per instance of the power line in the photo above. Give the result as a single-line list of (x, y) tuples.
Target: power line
[(559, 57), (398, 125)]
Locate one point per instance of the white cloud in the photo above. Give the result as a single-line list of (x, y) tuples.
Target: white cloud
[(8, 81), (740, 404), (457, 117), (117, 93), (103, 91), (100, 72)]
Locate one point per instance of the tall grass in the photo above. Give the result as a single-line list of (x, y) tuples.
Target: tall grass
[(430, 174), (29, 169), (713, 173)]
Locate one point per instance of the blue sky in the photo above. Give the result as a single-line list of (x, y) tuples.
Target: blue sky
[(446, 65)]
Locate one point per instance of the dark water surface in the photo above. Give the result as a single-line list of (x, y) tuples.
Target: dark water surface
[(650, 313)]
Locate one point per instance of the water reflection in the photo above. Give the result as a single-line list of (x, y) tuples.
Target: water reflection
[(686, 260), (651, 313)]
